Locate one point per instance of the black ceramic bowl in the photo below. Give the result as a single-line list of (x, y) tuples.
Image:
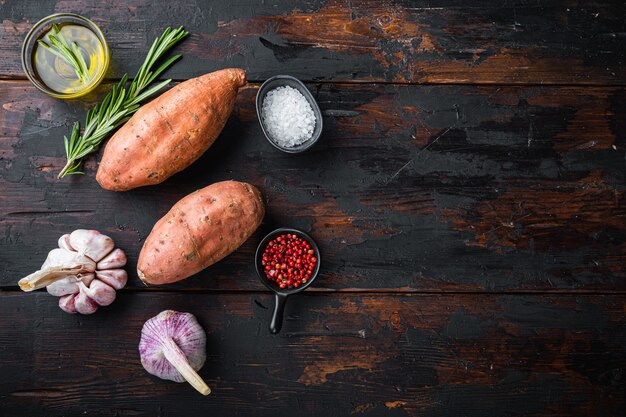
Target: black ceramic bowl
[(287, 80), (281, 294)]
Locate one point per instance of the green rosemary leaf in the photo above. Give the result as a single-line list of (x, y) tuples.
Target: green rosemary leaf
[(80, 59), (150, 92), (57, 32), (162, 68), (103, 107)]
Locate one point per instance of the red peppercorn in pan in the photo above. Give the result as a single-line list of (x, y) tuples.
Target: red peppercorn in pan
[(288, 261)]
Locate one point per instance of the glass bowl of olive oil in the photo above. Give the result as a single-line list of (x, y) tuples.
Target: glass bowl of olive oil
[(65, 55)]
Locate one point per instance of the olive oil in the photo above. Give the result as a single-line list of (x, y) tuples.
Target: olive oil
[(57, 74)]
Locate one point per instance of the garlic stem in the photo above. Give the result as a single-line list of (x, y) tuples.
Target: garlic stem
[(45, 277), (178, 359)]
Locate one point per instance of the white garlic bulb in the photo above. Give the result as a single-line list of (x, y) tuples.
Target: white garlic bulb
[(85, 272)]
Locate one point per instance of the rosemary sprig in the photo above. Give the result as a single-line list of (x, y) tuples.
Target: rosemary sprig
[(67, 52), (120, 103)]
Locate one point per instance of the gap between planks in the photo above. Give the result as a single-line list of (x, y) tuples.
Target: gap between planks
[(361, 292), (22, 79)]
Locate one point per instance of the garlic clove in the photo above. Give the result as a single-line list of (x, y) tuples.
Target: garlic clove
[(115, 259), (83, 303), (67, 303), (115, 278), (65, 286), (173, 347), (92, 243), (64, 242), (99, 292), (87, 278)]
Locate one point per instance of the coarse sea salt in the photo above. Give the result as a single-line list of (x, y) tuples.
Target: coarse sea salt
[(288, 117)]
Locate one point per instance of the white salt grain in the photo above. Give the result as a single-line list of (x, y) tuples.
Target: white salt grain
[(288, 117)]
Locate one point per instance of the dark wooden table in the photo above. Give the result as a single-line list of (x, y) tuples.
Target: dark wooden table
[(468, 195)]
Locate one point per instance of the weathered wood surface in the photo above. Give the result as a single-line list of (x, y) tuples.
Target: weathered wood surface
[(429, 204), (445, 41), (338, 355), (434, 188)]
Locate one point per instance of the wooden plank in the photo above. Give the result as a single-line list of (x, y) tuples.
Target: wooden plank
[(337, 356), (439, 188), (447, 41)]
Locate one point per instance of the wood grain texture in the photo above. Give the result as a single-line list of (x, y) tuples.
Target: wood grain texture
[(474, 230), (437, 188), (338, 355), (444, 41)]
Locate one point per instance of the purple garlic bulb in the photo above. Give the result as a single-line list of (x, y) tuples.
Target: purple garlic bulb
[(84, 271), (173, 347)]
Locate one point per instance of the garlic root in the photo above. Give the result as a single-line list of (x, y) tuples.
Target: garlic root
[(177, 358)]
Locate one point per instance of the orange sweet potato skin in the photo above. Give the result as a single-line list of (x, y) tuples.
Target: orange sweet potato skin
[(169, 133), (199, 230)]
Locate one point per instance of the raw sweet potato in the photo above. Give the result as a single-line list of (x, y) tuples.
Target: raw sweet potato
[(168, 134), (199, 230)]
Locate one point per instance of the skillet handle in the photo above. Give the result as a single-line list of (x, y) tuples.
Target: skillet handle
[(277, 316)]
